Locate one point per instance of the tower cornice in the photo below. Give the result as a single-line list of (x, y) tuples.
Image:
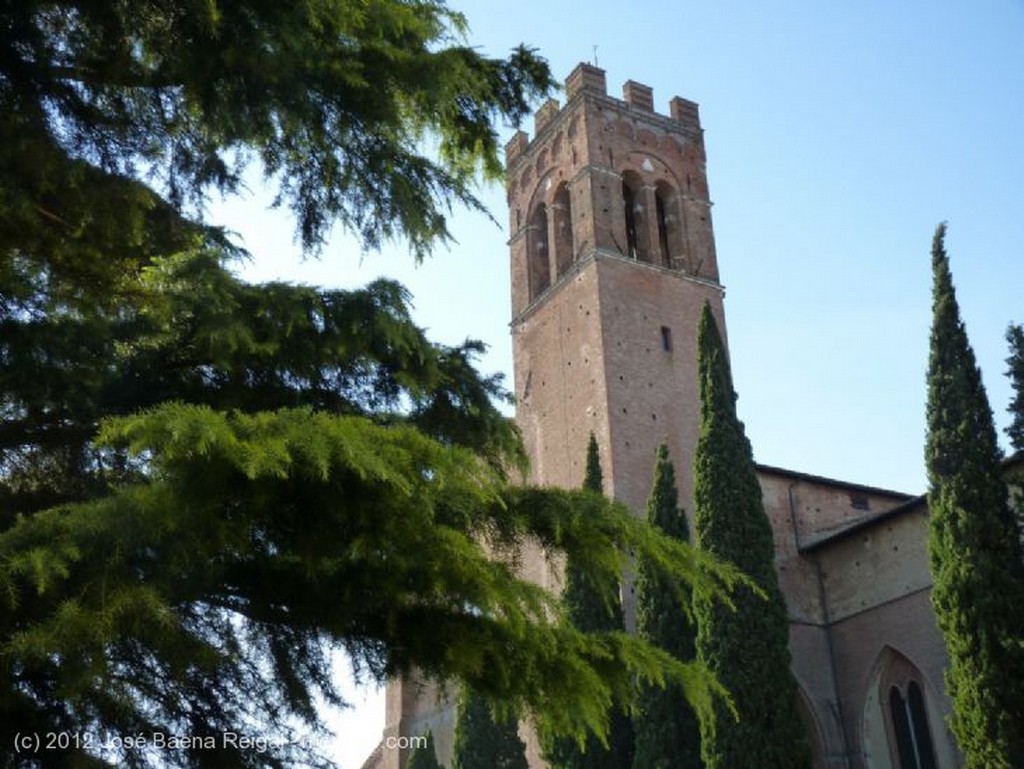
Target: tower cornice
[(595, 255)]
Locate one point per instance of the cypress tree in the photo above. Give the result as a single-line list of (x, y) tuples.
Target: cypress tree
[(667, 731), (746, 648), (586, 603), (424, 757), (593, 478), (594, 608), (481, 742), (973, 544), (1015, 338)]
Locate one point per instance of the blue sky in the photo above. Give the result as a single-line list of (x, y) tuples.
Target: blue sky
[(838, 135)]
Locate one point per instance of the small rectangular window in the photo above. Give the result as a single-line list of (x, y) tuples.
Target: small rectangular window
[(666, 339)]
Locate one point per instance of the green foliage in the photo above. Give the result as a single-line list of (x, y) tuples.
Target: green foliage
[(259, 539), (485, 742), (746, 646), (594, 606), (331, 97), (667, 731), (974, 545), (207, 487), (424, 757), (1015, 340)]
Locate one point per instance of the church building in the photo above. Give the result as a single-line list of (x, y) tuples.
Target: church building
[(612, 260)]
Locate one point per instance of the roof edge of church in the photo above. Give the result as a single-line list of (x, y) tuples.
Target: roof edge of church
[(866, 523), (774, 470), (1009, 464)]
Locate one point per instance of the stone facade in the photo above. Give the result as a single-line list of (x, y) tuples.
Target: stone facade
[(612, 261)]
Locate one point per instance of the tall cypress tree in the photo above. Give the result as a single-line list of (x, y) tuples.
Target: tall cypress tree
[(667, 731), (425, 756), (746, 648), (1015, 338), (974, 546), (593, 478), (481, 742), (594, 608), (586, 603)]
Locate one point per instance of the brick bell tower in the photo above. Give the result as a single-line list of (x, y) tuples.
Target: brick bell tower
[(612, 257)]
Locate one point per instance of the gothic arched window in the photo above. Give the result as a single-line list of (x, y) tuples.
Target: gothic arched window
[(902, 725), (910, 730), (919, 724), (538, 266), (561, 212), (635, 217), (629, 205), (666, 203)]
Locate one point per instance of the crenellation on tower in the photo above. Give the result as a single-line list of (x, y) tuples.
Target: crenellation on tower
[(587, 81), (515, 147), (544, 115), (638, 96), (586, 77), (684, 111)]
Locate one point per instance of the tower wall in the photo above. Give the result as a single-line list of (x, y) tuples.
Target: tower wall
[(605, 340), (612, 351)]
